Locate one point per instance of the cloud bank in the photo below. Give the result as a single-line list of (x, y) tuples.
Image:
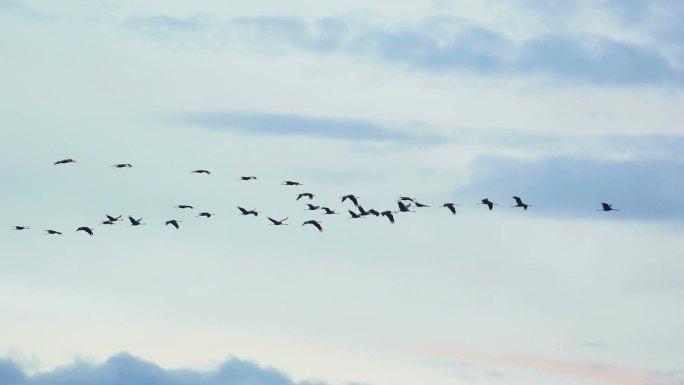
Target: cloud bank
[(124, 369)]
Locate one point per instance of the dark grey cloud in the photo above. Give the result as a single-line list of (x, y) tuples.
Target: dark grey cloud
[(124, 369), (443, 44), (270, 124), (644, 189)]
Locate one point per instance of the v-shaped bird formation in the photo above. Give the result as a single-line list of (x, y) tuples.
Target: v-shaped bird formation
[(405, 204)]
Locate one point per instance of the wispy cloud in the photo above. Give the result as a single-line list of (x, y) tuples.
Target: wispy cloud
[(443, 44), (124, 369), (271, 124)]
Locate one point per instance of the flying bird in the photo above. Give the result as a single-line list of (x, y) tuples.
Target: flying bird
[(173, 222), (135, 222), (248, 212), (352, 198), (200, 172), (317, 224), (519, 203), (364, 213), (308, 195), (64, 161), (246, 177), (111, 218), (19, 228), (86, 229), (389, 215), (451, 207), (328, 211), (290, 183), (312, 207), (184, 207), (487, 202), (107, 222), (52, 232), (418, 204), (353, 215), (278, 223), (404, 208), (607, 207), (407, 199), (205, 214), (122, 165)]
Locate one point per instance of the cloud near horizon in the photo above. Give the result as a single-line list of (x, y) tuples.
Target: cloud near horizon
[(125, 369)]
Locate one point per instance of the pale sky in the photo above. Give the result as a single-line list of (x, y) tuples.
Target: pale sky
[(567, 104)]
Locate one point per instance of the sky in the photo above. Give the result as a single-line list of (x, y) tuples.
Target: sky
[(565, 103)]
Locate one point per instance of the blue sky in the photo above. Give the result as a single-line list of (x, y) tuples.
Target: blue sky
[(566, 103)]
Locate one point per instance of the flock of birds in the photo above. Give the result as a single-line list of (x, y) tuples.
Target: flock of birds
[(404, 204)]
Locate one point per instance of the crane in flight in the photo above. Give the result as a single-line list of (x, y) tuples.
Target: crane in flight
[(277, 223), (52, 232), (111, 218), (200, 172), (307, 195), (248, 212), (316, 224), (389, 215), (607, 207), (173, 222), (122, 165), (86, 229), (353, 198), (135, 222), (205, 214), (20, 228), (246, 178), (520, 203), (184, 207), (290, 183), (328, 211), (404, 208), (64, 161), (311, 207), (451, 207), (353, 215), (489, 203)]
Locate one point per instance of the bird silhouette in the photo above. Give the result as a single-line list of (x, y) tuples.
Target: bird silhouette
[(607, 207), (52, 232), (352, 198), (409, 199), (64, 161), (404, 208), (107, 222), (328, 211), (135, 222), (389, 215), (278, 223), (487, 202), (290, 183), (173, 222), (205, 214), (86, 229), (364, 213), (122, 165), (111, 218), (248, 212), (317, 224), (308, 195), (418, 204), (247, 178), (519, 203), (20, 228), (312, 207), (184, 207), (200, 172), (451, 207), (353, 215)]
